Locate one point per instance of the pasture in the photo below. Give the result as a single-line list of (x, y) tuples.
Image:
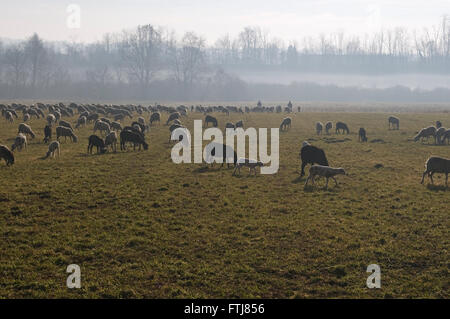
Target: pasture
[(140, 226)]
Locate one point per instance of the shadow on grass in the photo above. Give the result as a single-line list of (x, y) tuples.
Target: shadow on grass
[(298, 179), (437, 188), (205, 169)]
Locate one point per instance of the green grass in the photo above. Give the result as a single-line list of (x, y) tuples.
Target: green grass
[(140, 226)]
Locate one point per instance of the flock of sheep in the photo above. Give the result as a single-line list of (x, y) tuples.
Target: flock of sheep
[(107, 121)]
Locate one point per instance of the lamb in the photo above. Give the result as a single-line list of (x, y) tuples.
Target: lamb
[(111, 140), (325, 171), (98, 142), (426, 133), (136, 139), (436, 164), (328, 127), (210, 119), (52, 148), (103, 127), (394, 122), (47, 133), (340, 126), (26, 129), (19, 142), (319, 128), (66, 132), (362, 135), (81, 121), (250, 163), (7, 155), (310, 154), (286, 123), (155, 117)]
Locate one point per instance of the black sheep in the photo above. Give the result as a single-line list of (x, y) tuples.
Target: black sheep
[(94, 140), (362, 135), (47, 133), (312, 155), (136, 139)]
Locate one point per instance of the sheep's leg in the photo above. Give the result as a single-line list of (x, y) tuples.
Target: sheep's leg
[(303, 169), (335, 180), (431, 177), (326, 185), (446, 179), (423, 176)]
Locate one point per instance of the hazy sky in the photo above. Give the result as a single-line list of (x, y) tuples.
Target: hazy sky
[(287, 19)]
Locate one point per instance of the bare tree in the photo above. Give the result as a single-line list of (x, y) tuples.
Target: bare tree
[(15, 62), (36, 54)]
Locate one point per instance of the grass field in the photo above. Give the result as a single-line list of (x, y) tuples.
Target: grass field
[(140, 226)]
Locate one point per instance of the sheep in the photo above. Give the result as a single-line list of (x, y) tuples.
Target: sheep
[(394, 122), (229, 125), (9, 117), (52, 148), (51, 119), (47, 133), (239, 124), (328, 127), (116, 126), (250, 163), (141, 126), (177, 121), (26, 117), (426, 133), (57, 115), (436, 164), (66, 124), (26, 129), (173, 116), (324, 171), (111, 140), (103, 127), (155, 117), (362, 135), (7, 155), (81, 121), (438, 124), (319, 128), (310, 154), (439, 133), (136, 139), (228, 154), (104, 119), (172, 128), (92, 117), (66, 132), (446, 136), (98, 142), (286, 123), (340, 126), (19, 142), (210, 119)]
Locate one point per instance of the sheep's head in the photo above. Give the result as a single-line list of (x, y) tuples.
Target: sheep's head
[(75, 138)]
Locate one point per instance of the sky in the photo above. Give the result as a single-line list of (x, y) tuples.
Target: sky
[(290, 20)]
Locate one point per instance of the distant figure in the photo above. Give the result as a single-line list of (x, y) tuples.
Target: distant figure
[(362, 135), (394, 122)]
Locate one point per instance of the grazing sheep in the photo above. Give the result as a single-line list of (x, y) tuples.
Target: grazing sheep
[(362, 135), (173, 116), (26, 129), (51, 119), (210, 119), (104, 119), (328, 127), (82, 120), (324, 171), (426, 133), (177, 121), (140, 126), (66, 124), (57, 115), (285, 124), (319, 128), (155, 117), (438, 124), (98, 142), (7, 155), (394, 122), (250, 163), (310, 154), (26, 117), (228, 154), (47, 133), (436, 164), (439, 133), (19, 142), (111, 140), (136, 139), (9, 117), (116, 126), (66, 132), (52, 148), (92, 117), (340, 126), (446, 136), (103, 127), (118, 117)]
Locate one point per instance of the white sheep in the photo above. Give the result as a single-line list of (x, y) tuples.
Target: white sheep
[(111, 140), (103, 127), (19, 142), (426, 133), (324, 171)]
